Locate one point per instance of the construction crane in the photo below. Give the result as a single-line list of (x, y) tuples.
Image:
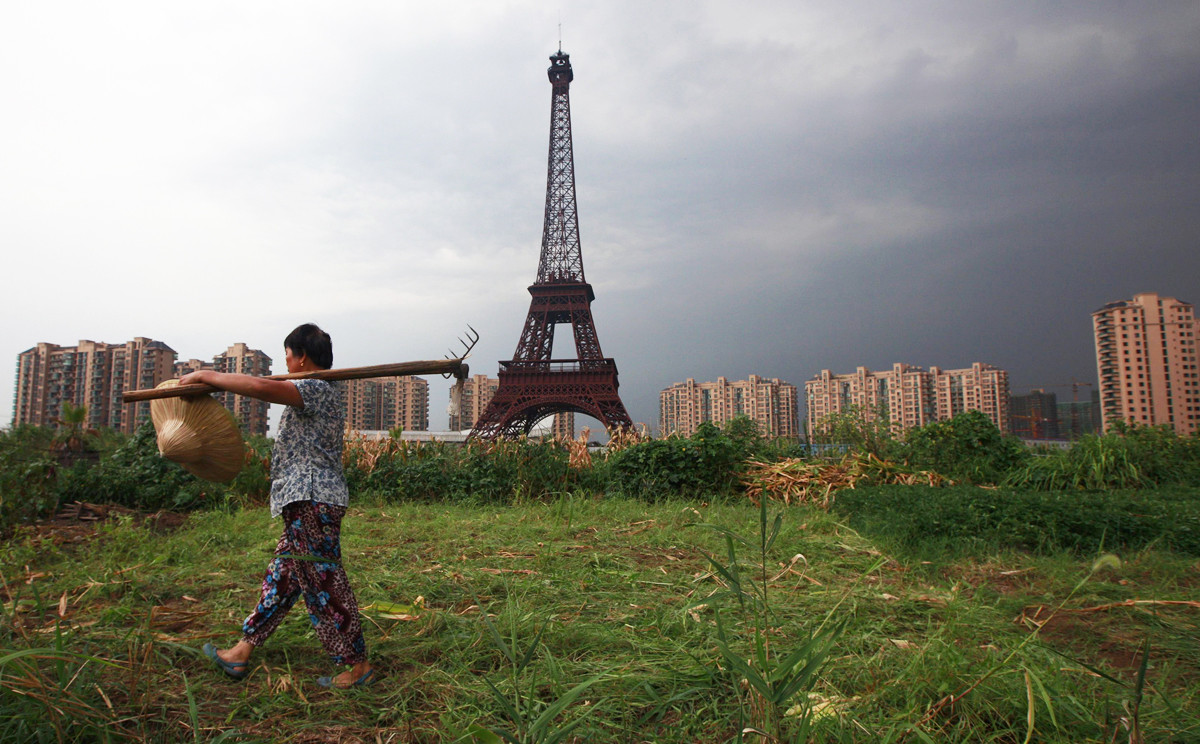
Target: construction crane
[(1034, 431), (1074, 384)]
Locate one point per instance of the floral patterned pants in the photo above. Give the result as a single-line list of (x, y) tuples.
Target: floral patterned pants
[(308, 562)]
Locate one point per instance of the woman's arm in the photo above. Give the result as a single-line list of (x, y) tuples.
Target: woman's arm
[(272, 391)]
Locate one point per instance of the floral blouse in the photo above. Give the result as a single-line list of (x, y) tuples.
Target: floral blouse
[(306, 462)]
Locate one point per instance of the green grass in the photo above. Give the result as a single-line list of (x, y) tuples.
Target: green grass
[(965, 520), (104, 635)]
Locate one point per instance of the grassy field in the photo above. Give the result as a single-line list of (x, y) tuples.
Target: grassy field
[(632, 621)]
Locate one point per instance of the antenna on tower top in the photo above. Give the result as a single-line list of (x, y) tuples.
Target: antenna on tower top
[(560, 37)]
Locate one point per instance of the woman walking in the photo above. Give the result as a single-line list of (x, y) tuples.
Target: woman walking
[(308, 489)]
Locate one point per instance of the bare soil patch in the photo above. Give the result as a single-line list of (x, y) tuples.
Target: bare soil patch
[(77, 522)]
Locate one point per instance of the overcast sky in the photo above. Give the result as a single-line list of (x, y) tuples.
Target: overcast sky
[(769, 188)]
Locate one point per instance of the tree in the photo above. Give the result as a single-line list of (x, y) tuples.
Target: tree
[(857, 427), (743, 430), (968, 446), (70, 441)]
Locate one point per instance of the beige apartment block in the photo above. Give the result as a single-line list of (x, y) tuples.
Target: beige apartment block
[(96, 375), (477, 392), (907, 396), (980, 387), (563, 427), (1146, 361), (139, 364), (90, 374), (770, 403), (239, 359), (252, 415), (903, 396), (190, 366), (384, 404), (49, 375)]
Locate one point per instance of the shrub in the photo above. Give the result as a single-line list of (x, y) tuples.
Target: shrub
[(135, 475), (28, 475), (782, 448), (500, 471), (401, 471), (968, 447), (706, 463), (505, 469), (857, 428), (1161, 455), (743, 432), (253, 484)]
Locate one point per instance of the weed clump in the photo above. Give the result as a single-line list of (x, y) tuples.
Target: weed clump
[(1130, 456), (967, 520)]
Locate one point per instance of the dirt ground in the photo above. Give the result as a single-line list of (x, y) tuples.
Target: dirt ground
[(77, 522)]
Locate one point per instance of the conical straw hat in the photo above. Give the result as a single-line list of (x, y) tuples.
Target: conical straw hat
[(199, 434)]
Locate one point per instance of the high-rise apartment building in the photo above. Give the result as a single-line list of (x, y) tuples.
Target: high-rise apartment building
[(1146, 360), (904, 396), (190, 366), (90, 374), (770, 403), (48, 375), (136, 365), (563, 427), (96, 375), (1079, 417), (907, 396), (980, 387), (384, 404), (477, 392), (249, 412), (1035, 415)]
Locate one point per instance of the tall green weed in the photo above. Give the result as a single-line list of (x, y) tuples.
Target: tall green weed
[(501, 471), (778, 677), (964, 519), (1127, 457)]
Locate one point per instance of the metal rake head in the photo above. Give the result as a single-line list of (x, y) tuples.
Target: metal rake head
[(472, 339)]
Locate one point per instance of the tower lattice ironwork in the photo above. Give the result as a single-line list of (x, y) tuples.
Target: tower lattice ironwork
[(534, 384)]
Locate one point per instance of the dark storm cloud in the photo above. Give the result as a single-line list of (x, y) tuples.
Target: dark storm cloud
[(937, 213), (768, 187)]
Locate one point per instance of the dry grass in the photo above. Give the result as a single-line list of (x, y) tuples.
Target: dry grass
[(797, 481)]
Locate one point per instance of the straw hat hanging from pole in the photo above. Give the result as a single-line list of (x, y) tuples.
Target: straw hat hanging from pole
[(199, 434)]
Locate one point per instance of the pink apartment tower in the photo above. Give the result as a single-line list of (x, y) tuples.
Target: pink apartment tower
[(1146, 361)]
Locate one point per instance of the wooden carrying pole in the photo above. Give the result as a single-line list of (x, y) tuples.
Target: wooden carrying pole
[(455, 367)]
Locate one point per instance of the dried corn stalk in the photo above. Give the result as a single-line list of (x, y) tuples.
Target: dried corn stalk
[(625, 438), (367, 452), (577, 449), (796, 481)]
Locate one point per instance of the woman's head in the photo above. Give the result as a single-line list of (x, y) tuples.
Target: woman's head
[(310, 341)]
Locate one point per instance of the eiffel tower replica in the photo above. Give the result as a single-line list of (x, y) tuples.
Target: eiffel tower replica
[(534, 384)]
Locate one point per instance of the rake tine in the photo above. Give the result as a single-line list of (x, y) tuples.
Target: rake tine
[(473, 336)]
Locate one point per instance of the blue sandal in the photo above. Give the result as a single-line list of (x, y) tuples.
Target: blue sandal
[(362, 681), (235, 669)]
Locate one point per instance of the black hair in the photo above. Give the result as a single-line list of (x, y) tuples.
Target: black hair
[(312, 342)]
